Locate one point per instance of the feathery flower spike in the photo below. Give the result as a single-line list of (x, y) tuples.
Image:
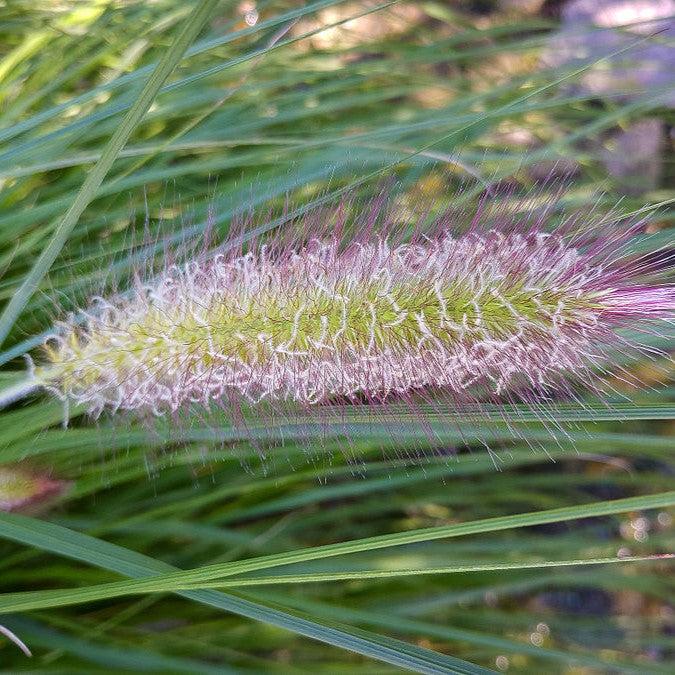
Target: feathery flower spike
[(505, 309)]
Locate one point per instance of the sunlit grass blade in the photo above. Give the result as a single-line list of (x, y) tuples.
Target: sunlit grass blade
[(165, 67), (367, 574), (17, 527)]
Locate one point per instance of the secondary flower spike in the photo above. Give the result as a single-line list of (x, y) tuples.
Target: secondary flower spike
[(499, 311), (21, 489)]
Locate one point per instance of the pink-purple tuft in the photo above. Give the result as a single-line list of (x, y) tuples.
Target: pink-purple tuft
[(502, 309)]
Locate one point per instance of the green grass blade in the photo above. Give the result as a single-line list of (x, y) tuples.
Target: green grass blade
[(11, 525), (367, 574), (71, 544), (165, 67), (446, 632)]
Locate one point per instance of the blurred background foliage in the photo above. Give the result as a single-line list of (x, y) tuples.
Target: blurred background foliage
[(284, 102)]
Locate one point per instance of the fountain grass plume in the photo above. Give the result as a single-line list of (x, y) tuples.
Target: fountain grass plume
[(365, 304)]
